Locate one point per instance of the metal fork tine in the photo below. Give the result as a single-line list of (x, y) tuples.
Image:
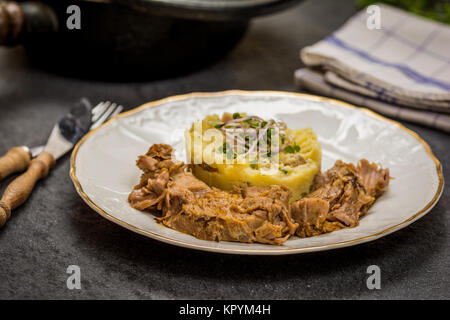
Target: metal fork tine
[(104, 117), (117, 111), (97, 107), (100, 111)]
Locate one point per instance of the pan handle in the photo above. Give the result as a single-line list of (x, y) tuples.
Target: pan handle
[(20, 20)]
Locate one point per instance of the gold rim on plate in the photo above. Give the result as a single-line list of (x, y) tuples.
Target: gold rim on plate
[(336, 245)]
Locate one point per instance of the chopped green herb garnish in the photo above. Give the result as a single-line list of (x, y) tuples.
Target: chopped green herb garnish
[(271, 132), (263, 124), (292, 148), (231, 154), (252, 123), (284, 171), (253, 165), (225, 147), (289, 149), (236, 115), (216, 125)]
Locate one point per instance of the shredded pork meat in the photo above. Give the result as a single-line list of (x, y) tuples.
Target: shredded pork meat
[(339, 198), (254, 214)]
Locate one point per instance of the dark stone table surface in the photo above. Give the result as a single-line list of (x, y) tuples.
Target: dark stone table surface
[(55, 228)]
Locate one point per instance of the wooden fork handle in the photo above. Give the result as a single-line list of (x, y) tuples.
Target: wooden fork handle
[(15, 160), (20, 189)]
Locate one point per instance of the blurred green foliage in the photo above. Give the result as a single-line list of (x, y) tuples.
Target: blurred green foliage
[(434, 9)]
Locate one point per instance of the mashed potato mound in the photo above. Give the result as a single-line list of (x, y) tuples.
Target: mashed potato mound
[(298, 158)]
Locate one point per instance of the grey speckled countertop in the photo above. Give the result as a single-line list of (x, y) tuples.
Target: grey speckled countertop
[(55, 228)]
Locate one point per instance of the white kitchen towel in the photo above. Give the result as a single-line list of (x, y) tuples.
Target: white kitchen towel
[(406, 62), (433, 105), (315, 81)]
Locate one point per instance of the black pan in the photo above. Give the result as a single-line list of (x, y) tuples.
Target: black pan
[(129, 39)]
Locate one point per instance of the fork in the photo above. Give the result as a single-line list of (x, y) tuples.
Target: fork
[(65, 134), (18, 158)]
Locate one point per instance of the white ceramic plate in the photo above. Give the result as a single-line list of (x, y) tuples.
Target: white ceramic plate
[(104, 172)]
